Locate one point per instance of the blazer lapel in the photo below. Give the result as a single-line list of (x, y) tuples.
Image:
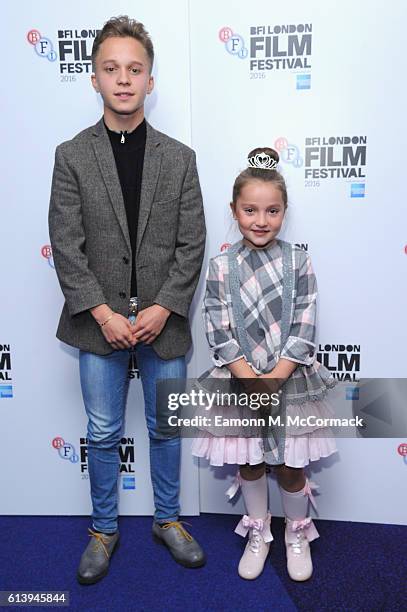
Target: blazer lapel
[(107, 165), (151, 172)]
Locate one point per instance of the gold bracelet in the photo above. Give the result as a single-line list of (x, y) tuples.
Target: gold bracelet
[(107, 320)]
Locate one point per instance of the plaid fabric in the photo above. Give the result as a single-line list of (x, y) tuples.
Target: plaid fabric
[(261, 276)]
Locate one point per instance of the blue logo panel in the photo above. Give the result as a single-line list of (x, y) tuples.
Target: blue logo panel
[(352, 393), (6, 391), (303, 81), (357, 190), (129, 482)]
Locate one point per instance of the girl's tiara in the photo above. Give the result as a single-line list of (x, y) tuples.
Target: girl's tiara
[(262, 161)]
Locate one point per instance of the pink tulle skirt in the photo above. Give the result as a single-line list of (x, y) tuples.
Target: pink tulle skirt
[(302, 445)]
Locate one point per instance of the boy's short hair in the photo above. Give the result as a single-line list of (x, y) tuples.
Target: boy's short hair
[(123, 27)]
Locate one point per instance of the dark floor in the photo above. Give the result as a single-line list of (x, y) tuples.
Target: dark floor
[(357, 567)]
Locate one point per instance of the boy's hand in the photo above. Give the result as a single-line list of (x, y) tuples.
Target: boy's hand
[(118, 332), (149, 323)]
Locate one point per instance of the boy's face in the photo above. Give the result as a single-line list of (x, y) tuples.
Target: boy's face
[(122, 75)]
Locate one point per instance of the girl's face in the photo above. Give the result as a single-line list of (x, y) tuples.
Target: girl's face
[(259, 211)]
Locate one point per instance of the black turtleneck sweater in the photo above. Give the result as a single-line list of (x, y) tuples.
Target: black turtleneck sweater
[(129, 157)]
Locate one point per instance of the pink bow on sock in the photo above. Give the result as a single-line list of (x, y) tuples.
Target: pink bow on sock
[(309, 485), (234, 487)]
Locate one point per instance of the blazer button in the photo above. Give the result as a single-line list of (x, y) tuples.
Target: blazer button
[(122, 294), (126, 260), (216, 356), (311, 353)]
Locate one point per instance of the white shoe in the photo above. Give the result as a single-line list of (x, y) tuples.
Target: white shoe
[(255, 554), (299, 562)]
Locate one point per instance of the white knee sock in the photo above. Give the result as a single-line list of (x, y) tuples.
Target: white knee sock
[(295, 505), (255, 495)]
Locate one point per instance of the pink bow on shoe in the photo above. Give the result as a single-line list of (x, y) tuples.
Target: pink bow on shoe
[(303, 524), (261, 525), (250, 523)]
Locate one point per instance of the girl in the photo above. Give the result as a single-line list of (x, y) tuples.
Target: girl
[(259, 312)]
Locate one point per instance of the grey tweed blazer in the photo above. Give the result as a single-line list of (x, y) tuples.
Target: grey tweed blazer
[(91, 244)]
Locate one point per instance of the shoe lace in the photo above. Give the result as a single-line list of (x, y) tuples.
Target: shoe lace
[(100, 540), (255, 541), (178, 524), (296, 546)]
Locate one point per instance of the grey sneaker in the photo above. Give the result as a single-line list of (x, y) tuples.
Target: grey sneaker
[(94, 563), (185, 550)]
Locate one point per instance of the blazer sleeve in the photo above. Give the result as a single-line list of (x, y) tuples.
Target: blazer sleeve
[(300, 346), (178, 290), (223, 347), (78, 283)]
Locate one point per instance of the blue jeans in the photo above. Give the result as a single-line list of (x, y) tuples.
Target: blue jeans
[(104, 382)]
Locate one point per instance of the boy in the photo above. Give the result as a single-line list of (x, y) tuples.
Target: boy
[(127, 231)]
